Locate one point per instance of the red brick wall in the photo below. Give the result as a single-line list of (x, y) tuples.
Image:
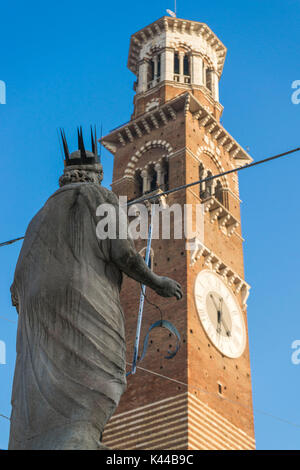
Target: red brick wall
[(198, 362)]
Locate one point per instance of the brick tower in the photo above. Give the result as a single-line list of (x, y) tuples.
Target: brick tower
[(175, 137)]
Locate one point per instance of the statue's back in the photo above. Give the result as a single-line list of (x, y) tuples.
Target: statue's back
[(70, 349)]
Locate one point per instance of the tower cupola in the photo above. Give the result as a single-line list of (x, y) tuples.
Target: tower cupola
[(180, 54)]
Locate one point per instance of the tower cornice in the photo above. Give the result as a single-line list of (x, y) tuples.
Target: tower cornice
[(160, 116), (177, 26)]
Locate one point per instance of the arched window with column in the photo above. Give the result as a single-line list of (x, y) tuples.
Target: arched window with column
[(154, 70), (214, 187)]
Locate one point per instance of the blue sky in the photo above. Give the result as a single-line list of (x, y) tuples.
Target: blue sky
[(64, 64)]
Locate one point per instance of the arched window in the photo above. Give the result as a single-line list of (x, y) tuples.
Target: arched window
[(150, 175), (212, 187)]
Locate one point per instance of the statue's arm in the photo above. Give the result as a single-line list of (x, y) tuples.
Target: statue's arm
[(131, 263), (125, 257)]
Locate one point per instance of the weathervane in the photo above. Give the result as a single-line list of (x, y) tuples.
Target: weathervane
[(173, 13)]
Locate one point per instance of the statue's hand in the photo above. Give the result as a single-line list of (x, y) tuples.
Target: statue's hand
[(168, 288)]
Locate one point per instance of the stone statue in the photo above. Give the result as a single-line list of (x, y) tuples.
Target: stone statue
[(70, 366)]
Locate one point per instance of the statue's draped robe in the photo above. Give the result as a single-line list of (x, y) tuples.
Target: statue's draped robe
[(70, 367)]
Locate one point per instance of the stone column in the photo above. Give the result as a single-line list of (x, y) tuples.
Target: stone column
[(197, 69), (163, 59), (155, 60), (215, 85), (181, 57), (143, 69), (202, 175), (158, 170), (146, 181), (204, 74), (167, 65)]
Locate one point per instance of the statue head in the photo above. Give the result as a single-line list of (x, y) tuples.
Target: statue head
[(81, 166)]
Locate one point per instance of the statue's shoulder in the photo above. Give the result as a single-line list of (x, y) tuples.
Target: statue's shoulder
[(102, 194), (90, 191)]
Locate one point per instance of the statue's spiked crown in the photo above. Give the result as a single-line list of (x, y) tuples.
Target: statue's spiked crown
[(81, 156)]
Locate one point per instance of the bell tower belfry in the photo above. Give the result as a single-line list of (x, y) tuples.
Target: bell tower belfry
[(171, 56), (201, 399)]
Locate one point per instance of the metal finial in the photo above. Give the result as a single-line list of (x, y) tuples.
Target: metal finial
[(94, 142), (100, 144), (65, 145), (81, 144)]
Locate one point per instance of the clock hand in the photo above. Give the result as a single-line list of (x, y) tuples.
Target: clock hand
[(228, 333), (212, 298), (221, 319), (219, 313)]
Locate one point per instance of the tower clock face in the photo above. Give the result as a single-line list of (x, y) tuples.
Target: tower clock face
[(220, 314)]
